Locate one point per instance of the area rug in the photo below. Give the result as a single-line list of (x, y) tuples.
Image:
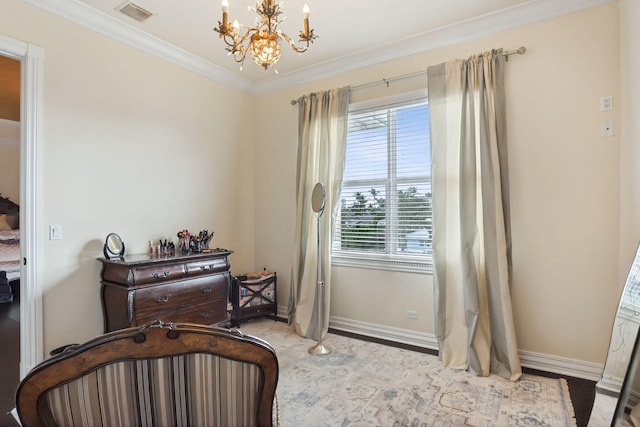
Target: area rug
[(368, 384)]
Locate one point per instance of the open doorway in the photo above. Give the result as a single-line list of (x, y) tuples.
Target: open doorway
[(10, 256), (31, 59)]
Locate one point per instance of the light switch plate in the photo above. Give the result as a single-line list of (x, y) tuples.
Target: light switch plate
[(55, 232)]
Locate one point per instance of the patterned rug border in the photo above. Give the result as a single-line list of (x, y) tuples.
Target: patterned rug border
[(568, 403)]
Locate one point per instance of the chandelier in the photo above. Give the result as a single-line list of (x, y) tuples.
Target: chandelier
[(262, 41)]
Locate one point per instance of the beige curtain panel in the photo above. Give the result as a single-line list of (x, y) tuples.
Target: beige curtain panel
[(473, 313), (322, 135)]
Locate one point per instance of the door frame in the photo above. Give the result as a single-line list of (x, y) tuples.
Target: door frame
[(31, 58)]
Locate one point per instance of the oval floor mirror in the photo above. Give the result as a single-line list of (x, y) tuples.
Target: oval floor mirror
[(617, 401)]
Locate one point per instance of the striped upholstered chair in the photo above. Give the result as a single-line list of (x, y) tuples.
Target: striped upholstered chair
[(157, 375)]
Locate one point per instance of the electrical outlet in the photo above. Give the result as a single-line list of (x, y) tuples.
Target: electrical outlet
[(411, 314), (606, 128)]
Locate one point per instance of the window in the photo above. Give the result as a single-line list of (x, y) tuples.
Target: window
[(385, 214)]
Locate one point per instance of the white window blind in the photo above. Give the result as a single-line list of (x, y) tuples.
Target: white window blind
[(385, 215)]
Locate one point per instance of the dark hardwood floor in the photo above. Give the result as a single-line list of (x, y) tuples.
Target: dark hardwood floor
[(9, 357), (582, 391)]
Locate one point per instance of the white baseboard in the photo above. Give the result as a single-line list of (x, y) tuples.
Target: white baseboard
[(543, 362), (561, 365), (389, 333)]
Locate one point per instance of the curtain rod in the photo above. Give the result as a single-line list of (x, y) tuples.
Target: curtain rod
[(520, 51)]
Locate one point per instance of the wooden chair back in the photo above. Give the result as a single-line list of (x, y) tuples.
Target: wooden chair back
[(156, 375)]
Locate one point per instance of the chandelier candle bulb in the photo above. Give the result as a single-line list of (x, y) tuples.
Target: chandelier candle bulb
[(225, 12), (305, 13)]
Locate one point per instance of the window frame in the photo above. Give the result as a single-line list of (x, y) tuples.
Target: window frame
[(422, 263)]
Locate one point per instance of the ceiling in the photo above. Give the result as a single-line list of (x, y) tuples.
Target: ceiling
[(351, 33)]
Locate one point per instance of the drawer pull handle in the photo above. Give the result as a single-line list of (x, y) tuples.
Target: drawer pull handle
[(206, 267), (206, 314), (162, 299), (163, 275), (206, 290)]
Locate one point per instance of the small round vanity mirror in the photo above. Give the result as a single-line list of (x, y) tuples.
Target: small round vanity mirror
[(317, 198), (113, 247)]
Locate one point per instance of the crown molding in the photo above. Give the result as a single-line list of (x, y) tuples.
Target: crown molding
[(94, 20), (516, 16), (519, 15)]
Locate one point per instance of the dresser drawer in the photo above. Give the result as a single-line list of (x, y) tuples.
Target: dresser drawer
[(212, 312), (216, 265), (156, 274), (153, 302), (207, 313)]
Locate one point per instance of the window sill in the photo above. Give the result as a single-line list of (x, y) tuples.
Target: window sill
[(404, 264)]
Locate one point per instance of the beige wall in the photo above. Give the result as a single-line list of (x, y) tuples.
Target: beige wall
[(564, 186), (630, 132), (136, 145), (133, 145), (629, 13)]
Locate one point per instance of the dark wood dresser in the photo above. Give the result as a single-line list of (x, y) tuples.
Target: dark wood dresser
[(187, 288)]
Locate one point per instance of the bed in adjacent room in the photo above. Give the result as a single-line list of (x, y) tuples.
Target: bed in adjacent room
[(9, 247)]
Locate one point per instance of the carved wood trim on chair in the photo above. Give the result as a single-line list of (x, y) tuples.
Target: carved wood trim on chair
[(162, 374)]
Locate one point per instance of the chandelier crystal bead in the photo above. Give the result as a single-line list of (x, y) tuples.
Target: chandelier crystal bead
[(265, 51)]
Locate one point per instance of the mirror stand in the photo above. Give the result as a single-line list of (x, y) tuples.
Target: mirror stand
[(317, 204)]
